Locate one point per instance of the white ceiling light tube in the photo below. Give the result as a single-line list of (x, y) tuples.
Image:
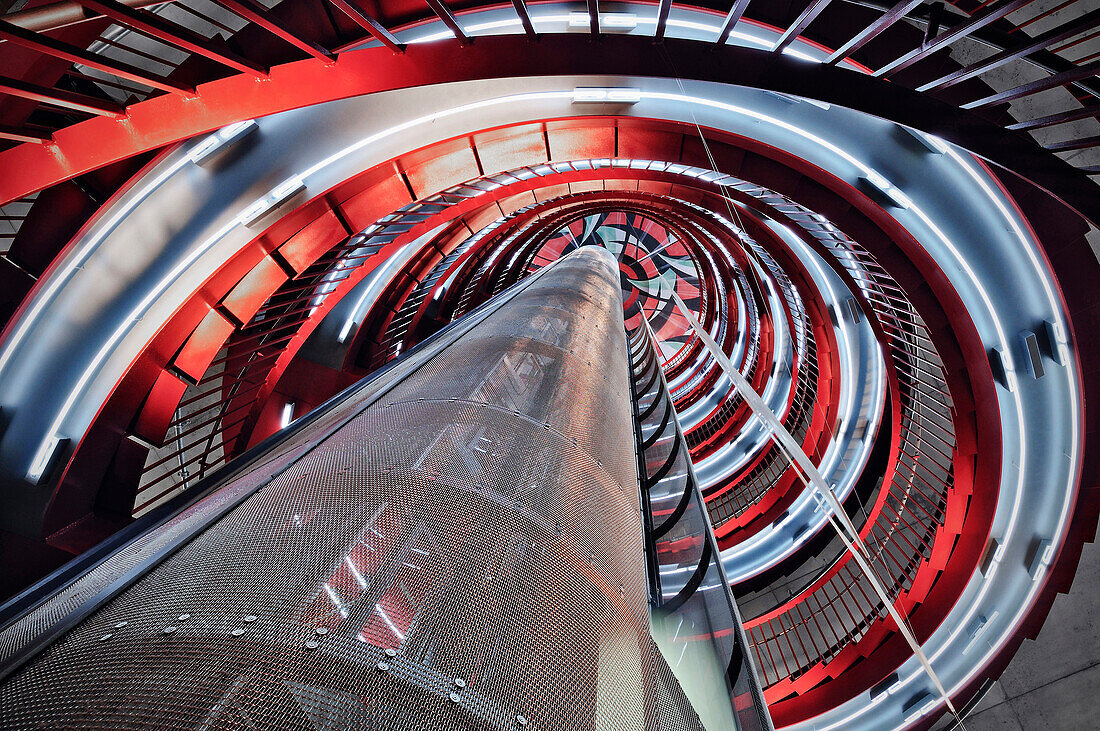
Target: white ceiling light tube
[(597, 94), (614, 21), (47, 455), (279, 195), (211, 147)]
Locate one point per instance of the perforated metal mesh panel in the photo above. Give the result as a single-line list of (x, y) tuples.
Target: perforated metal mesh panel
[(465, 553)]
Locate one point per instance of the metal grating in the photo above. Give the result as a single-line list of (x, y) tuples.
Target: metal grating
[(465, 552)]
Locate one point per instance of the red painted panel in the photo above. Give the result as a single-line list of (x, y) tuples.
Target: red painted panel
[(440, 166), (152, 423), (580, 139), (306, 246), (205, 342), (582, 186), (692, 195), (727, 159), (379, 199), (511, 147), (644, 144), (476, 220), (620, 184), (653, 186), (252, 291), (551, 191), (515, 202)]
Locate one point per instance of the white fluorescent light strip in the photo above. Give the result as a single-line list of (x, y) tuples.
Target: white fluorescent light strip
[(389, 623), (581, 19), (582, 94), (276, 197), (1025, 242), (43, 458), (220, 139), (624, 21), (177, 271), (125, 209), (988, 304), (888, 189), (288, 414), (619, 20)]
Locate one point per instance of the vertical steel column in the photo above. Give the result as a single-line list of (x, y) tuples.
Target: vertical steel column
[(459, 545)]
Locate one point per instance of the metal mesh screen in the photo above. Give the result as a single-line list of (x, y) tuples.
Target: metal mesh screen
[(467, 552)]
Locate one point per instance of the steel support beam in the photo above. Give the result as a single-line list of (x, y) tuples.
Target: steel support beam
[(1055, 35), (1069, 145), (662, 19), (868, 34), (961, 30), (17, 134), (163, 120), (800, 24), (176, 35), (732, 19), (1050, 82), (449, 20), (594, 17), (370, 24), (1060, 118), (255, 13), (61, 98), (524, 18), (62, 14), (45, 44)]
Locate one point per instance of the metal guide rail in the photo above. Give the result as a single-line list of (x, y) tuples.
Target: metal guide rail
[(456, 543), (694, 616)]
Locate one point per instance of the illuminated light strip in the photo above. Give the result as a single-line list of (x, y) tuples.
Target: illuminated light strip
[(620, 21), (355, 573), (45, 459), (389, 623), (847, 349), (336, 601), (1073, 403), (877, 387), (968, 270), (888, 189), (754, 544), (222, 140), (287, 416), (25, 322), (56, 280), (1026, 604), (618, 95), (278, 195), (135, 315), (155, 292), (864, 169)]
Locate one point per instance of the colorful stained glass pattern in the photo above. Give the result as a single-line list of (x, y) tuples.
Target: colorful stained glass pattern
[(652, 260)]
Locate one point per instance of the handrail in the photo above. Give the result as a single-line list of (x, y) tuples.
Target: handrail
[(691, 610)]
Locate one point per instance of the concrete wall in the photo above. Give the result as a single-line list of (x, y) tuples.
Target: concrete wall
[(1054, 681)]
